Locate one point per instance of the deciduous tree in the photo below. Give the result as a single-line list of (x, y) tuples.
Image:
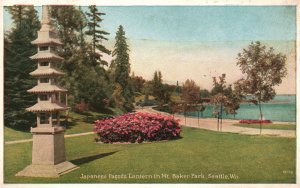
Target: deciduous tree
[(219, 98), (263, 70), (190, 96)]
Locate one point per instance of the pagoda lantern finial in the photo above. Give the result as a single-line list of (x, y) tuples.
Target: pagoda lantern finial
[(45, 19)]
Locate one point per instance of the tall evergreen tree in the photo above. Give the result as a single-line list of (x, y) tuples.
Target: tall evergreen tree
[(157, 84), (83, 80), (98, 35), (17, 67), (82, 25), (17, 14), (122, 68), (68, 21), (159, 90)]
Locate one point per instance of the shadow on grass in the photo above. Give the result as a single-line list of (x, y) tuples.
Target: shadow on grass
[(68, 124), (20, 129), (85, 113), (91, 158), (89, 117), (92, 119)]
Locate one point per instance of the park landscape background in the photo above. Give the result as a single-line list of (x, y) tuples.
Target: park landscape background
[(159, 59)]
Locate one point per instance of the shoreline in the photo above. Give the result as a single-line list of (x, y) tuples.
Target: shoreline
[(211, 118), (227, 125)]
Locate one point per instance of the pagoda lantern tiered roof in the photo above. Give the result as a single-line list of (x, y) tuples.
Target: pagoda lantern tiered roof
[(46, 88), (46, 40), (47, 71), (46, 107), (49, 93), (46, 56)]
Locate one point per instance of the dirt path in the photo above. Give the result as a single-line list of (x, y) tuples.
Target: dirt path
[(227, 125)]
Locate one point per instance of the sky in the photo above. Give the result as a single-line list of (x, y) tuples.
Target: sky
[(198, 42)]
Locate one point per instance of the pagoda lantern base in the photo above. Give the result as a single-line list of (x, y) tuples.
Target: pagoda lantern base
[(48, 154), (47, 171)]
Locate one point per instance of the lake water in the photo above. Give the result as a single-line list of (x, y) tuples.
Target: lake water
[(281, 108)]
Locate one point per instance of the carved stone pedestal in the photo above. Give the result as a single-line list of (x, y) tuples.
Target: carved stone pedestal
[(48, 154)]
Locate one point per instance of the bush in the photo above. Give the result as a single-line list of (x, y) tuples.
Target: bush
[(251, 121), (147, 103), (137, 127)]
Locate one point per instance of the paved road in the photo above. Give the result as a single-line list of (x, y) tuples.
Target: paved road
[(227, 125)]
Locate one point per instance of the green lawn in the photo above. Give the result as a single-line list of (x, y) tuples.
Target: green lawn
[(78, 123), (11, 134), (253, 159), (269, 126)]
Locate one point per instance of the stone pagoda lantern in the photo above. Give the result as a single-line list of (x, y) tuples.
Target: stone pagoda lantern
[(48, 151)]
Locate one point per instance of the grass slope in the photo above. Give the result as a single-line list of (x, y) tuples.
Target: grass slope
[(77, 123), (12, 134), (254, 159)]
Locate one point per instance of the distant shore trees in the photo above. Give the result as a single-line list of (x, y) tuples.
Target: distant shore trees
[(160, 91), (190, 96)]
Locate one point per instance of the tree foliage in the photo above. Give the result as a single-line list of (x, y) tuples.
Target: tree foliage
[(138, 83), (67, 21), (263, 69), (159, 90), (218, 95), (18, 65), (121, 68), (86, 80), (98, 35), (190, 92), (233, 100), (224, 98)]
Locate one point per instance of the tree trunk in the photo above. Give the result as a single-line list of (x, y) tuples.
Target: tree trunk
[(218, 121), (185, 118), (202, 114), (198, 117), (221, 116), (20, 15), (260, 123)]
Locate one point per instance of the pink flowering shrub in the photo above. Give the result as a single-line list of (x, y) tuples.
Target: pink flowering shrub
[(137, 127), (250, 121)]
